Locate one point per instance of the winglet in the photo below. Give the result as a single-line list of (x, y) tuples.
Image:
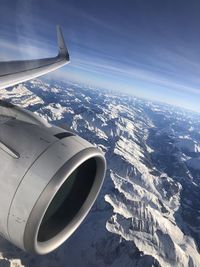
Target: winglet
[(62, 52)]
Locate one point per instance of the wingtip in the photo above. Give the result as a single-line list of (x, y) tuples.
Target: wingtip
[(63, 51)]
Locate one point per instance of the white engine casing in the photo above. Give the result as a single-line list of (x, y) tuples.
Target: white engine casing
[(35, 163)]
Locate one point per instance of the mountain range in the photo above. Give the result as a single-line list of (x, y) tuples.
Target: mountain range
[(147, 213)]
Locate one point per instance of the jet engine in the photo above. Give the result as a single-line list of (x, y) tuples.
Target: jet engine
[(49, 180)]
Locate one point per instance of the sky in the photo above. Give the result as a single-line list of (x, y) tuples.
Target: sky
[(148, 48)]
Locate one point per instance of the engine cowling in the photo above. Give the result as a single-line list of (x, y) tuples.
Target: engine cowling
[(49, 180)]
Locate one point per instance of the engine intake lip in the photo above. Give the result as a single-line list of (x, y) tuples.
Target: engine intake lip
[(33, 239)]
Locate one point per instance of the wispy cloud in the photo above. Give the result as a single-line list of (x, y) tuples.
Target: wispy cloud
[(24, 50), (163, 70), (113, 44), (147, 73)]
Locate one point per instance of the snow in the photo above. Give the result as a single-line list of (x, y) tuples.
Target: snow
[(53, 112), (141, 215), (20, 95), (188, 145)]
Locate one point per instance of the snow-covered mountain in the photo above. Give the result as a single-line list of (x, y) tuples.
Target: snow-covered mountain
[(148, 212)]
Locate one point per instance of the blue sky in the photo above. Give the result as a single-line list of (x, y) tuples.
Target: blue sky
[(147, 48)]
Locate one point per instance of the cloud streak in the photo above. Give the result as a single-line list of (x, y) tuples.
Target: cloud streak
[(142, 45)]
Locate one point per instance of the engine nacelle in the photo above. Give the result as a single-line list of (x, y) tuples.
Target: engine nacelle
[(49, 179)]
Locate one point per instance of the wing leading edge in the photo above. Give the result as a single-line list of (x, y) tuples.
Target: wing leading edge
[(14, 72)]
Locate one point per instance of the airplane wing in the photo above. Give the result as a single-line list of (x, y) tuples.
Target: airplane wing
[(44, 203), (14, 72)]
